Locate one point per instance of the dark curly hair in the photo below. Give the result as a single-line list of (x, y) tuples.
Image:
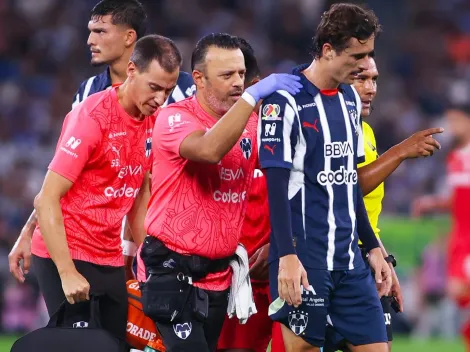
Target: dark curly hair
[(343, 22)]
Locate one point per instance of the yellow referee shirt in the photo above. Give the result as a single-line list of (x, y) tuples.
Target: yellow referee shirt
[(372, 201)]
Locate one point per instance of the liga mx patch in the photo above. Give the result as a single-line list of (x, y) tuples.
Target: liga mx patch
[(298, 321), (245, 144), (148, 146), (183, 330), (271, 112)]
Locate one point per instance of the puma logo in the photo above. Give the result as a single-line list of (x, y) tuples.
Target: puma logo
[(309, 125), (269, 148)]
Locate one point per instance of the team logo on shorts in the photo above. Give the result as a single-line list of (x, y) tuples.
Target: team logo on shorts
[(271, 112), (148, 146), (80, 324), (245, 144), (298, 321), (183, 330)]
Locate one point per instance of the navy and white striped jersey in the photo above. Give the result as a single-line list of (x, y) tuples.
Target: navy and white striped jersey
[(317, 135), (184, 87)]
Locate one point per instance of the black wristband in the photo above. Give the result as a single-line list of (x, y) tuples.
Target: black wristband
[(391, 259)]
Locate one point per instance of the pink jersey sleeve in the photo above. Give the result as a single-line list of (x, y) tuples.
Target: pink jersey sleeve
[(172, 127), (79, 138)]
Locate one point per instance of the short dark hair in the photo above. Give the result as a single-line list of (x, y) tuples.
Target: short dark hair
[(462, 107), (343, 22), (251, 63), (126, 12), (219, 40), (156, 47)]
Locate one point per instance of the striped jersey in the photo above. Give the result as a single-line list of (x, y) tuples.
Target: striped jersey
[(317, 135), (184, 87)]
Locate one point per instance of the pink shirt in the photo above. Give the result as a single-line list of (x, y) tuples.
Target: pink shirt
[(198, 208), (105, 153)]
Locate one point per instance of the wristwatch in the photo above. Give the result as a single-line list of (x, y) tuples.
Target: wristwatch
[(391, 259)]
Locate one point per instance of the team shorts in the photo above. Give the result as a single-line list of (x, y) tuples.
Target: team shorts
[(347, 300), (256, 333)]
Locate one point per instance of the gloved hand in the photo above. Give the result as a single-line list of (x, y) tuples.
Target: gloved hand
[(274, 82)]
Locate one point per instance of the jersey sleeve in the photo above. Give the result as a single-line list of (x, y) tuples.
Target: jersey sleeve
[(278, 132), (172, 127), (79, 138), (360, 153), (370, 146)]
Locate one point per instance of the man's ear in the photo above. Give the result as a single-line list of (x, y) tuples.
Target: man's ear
[(254, 81), (131, 69), (131, 37), (198, 78)]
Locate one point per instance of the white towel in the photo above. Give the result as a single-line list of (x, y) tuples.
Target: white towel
[(241, 302)]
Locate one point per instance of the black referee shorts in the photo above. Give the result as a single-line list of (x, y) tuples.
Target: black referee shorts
[(107, 281), (386, 304)]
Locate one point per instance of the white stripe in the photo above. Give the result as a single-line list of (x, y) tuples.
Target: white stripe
[(287, 122), (86, 92), (360, 137), (77, 100), (177, 94), (297, 174), (258, 135), (459, 179), (123, 226), (329, 188), (350, 169)]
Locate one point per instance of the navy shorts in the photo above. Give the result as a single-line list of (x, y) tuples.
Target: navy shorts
[(346, 300)]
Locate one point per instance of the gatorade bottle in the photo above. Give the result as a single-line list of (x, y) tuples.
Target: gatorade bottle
[(155, 346)]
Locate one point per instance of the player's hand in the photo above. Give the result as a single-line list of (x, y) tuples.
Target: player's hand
[(422, 205), (291, 275), (259, 269), (383, 275), (21, 251), (274, 82), (420, 144), (129, 273), (76, 287), (395, 291)]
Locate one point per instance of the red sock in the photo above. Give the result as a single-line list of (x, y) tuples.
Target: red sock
[(277, 343), (466, 334)]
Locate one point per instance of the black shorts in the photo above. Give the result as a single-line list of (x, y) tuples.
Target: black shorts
[(192, 334), (387, 308), (107, 281)]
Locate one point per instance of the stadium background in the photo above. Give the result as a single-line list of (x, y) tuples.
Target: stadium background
[(424, 62)]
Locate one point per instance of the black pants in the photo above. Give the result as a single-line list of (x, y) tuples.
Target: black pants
[(189, 331), (192, 334), (107, 281)]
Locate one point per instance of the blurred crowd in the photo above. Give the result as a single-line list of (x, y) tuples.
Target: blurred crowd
[(423, 57)]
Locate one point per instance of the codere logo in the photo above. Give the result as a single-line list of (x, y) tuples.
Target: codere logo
[(338, 177)]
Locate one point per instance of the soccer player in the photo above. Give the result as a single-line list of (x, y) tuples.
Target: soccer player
[(455, 200), (374, 170), (256, 333), (203, 167), (115, 26), (310, 146), (97, 176)]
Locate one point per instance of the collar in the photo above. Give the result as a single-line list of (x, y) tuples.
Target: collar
[(309, 86)]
